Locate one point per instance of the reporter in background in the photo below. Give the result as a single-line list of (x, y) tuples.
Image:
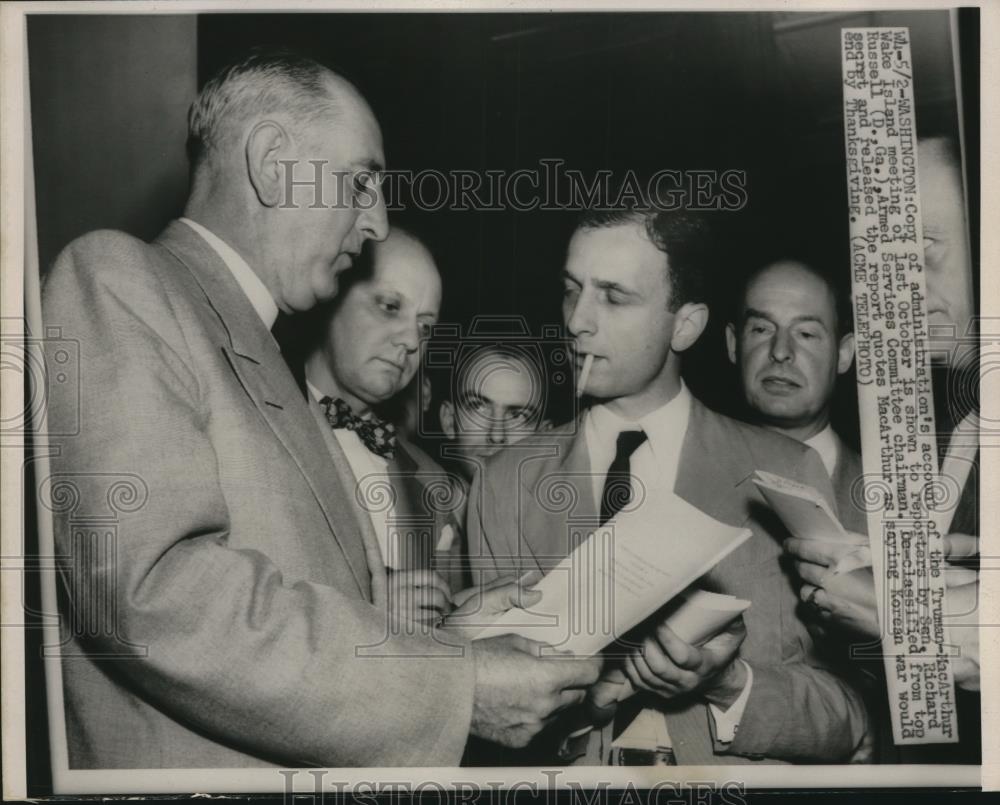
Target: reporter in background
[(790, 339), (364, 350), (497, 396)]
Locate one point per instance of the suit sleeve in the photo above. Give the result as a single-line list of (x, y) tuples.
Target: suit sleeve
[(212, 635), (799, 709)]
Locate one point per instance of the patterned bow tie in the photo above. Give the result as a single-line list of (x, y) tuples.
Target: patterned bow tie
[(377, 435)]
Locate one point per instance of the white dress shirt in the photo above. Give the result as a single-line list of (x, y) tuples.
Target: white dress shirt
[(371, 491), (245, 277), (653, 466), (825, 443)]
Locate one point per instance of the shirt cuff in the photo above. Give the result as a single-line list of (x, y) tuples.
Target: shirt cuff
[(727, 722)]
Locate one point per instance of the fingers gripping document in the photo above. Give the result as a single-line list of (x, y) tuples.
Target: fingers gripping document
[(624, 571), (802, 509), (807, 515)]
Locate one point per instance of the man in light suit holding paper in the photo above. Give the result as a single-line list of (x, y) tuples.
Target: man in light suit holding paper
[(633, 300), (235, 585)]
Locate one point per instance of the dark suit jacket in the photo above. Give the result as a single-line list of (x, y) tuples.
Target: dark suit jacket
[(526, 502), (216, 586), (426, 501), (433, 501)]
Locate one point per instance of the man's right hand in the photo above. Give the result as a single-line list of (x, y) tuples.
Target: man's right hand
[(518, 691)]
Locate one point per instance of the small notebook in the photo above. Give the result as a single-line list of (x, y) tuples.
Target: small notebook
[(802, 509)]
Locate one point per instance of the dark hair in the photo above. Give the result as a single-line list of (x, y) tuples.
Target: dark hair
[(525, 354), (684, 238)]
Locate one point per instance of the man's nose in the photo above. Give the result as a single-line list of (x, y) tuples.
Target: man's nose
[(580, 318), (373, 222), (407, 336), (781, 347), (497, 433)]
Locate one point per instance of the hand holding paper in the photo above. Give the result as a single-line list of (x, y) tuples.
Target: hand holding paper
[(669, 666), (827, 555), (421, 596), (695, 616), (620, 575), (518, 692), (839, 583), (803, 510), (482, 604)]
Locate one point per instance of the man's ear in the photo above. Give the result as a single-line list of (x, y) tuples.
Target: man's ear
[(689, 324), (263, 148), (845, 353), (446, 413), (731, 342)]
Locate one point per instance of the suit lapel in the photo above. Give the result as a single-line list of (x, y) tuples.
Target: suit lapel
[(846, 472), (257, 363), (365, 556), (562, 493), (702, 479), (409, 490), (416, 525)]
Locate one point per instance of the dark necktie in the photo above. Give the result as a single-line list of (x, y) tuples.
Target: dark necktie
[(617, 491), (616, 495), (377, 435)]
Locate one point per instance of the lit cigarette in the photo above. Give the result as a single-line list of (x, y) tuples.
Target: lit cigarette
[(584, 374)]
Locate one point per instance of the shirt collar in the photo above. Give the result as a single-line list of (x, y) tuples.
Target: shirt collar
[(314, 392), (318, 396), (665, 427), (825, 443), (245, 277)]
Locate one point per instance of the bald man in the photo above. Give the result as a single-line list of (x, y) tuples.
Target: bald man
[(368, 348)]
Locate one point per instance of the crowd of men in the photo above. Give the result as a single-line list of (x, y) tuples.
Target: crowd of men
[(300, 582)]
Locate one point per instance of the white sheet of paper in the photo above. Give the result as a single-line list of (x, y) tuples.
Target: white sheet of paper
[(697, 615), (802, 509), (621, 574)]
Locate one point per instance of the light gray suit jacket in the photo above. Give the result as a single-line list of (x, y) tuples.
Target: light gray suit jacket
[(216, 587), (847, 480), (798, 709)]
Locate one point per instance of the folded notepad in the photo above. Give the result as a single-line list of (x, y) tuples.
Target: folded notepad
[(802, 509)]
